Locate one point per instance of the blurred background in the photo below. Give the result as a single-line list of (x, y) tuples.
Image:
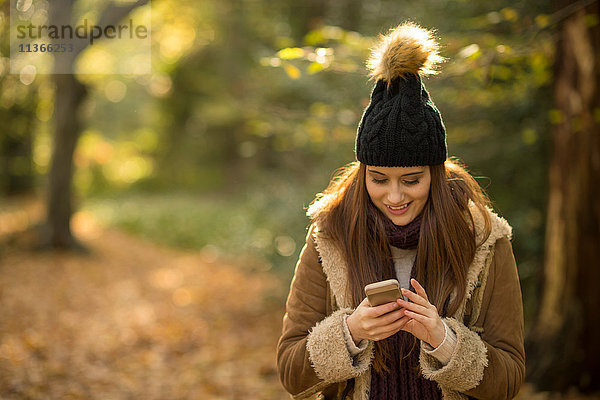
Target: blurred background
[(150, 224)]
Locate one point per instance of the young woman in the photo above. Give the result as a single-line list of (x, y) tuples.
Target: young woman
[(404, 211)]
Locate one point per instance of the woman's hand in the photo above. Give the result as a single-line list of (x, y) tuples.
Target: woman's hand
[(425, 322), (375, 323)]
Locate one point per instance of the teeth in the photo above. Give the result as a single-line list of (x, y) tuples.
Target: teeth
[(399, 208)]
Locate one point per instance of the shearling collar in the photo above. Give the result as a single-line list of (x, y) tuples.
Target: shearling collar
[(335, 266)]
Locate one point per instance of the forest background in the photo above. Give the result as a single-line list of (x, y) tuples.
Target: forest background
[(250, 108)]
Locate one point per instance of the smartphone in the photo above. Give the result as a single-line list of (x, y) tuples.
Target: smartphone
[(383, 292)]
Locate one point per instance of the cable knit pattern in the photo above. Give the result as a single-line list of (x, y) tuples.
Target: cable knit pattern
[(401, 127)]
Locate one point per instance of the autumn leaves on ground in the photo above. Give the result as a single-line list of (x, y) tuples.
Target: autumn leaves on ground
[(136, 320), (133, 320)]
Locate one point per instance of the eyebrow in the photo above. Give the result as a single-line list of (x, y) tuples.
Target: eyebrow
[(409, 174)]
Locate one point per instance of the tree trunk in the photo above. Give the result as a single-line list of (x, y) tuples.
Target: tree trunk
[(69, 96), (564, 344)]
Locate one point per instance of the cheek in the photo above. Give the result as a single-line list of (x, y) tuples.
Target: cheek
[(424, 193), (374, 191), (421, 193)]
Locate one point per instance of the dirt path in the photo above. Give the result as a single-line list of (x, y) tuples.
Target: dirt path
[(134, 320)]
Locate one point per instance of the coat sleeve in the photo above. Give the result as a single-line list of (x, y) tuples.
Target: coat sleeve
[(305, 306), (312, 352), (490, 366)]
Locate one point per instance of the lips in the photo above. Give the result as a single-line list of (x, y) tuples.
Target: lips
[(398, 210)]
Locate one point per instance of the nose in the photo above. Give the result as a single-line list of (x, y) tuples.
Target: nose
[(396, 195)]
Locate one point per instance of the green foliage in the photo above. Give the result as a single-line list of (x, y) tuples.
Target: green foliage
[(265, 228), (252, 105), (494, 94), (18, 107)]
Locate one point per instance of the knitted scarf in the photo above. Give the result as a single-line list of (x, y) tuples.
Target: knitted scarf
[(403, 380), (404, 237)]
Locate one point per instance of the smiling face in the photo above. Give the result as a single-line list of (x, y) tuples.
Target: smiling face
[(400, 193)]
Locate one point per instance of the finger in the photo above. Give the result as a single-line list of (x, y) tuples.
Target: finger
[(380, 310), (376, 330), (423, 319), (390, 317), (420, 289), (365, 302), (416, 308), (428, 308), (392, 329), (377, 326), (415, 298), (399, 324)]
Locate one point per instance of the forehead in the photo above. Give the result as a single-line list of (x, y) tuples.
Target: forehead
[(397, 171)]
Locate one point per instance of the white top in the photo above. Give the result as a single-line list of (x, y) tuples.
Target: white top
[(403, 262)]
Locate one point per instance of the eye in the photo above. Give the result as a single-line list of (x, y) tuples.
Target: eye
[(411, 182), (378, 181)]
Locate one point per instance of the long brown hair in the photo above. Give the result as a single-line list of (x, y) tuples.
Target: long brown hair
[(447, 240)]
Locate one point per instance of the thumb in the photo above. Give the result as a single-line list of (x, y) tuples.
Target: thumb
[(365, 302)]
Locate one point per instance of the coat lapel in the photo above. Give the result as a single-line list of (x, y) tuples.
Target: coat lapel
[(336, 268)]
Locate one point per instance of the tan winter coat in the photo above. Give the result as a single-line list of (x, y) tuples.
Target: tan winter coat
[(488, 361)]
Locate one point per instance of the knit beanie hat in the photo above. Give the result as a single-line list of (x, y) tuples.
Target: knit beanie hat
[(401, 127)]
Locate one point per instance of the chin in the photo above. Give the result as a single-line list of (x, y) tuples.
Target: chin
[(402, 221)]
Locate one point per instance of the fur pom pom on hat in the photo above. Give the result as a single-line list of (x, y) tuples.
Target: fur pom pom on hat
[(407, 49), (401, 127)]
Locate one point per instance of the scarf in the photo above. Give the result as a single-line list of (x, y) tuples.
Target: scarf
[(404, 237), (403, 380)]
